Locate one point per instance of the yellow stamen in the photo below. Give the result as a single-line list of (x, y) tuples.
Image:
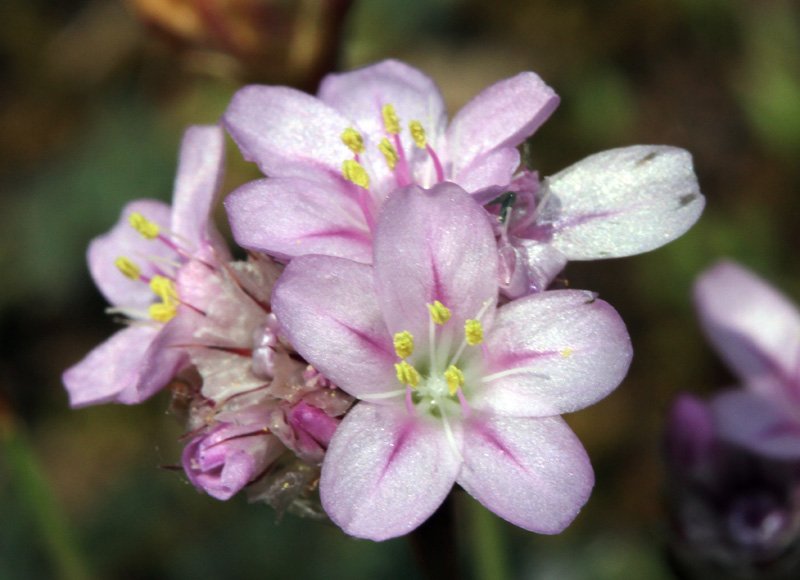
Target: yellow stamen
[(473, 331), (455, 379), (567, 352), (403, 344), (407, 374), (418, 134), (143, 225), (390, 120), (353, 140), (162, 311), (439, 312), (354, 172), (128, 268), (164, 288), (389, 153)]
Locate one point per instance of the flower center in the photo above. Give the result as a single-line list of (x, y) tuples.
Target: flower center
[(394, 154), (166, 299), (436, 381)]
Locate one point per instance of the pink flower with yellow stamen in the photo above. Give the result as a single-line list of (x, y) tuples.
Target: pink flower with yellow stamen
[(452, 388), (136, 267), (332, 160)]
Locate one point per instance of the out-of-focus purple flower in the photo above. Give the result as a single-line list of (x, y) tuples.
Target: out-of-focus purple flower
[(612, 204), (452, 388), (735, 513), (757, 332), (332, 160), (136, 266)]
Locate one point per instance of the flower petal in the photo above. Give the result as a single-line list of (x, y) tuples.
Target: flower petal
[(624, 201), (288, 133), (552, 353), (757, 423), (200, 171), (294, 217), (753, 326), (434, 245), (124, 241), (532, 472), (490, 170), (329, 311), (385, 472), (129, 367), (502, 115), (361, 94)]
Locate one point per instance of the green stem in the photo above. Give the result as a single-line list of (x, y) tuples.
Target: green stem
[(489, 558), (37, 497)]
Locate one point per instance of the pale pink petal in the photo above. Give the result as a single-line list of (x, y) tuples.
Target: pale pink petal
[(385, 472), (757, 423), (527, 266), (754, 327), (360, 95), (552, 353), (624, 201), (128, 368), (434, 245), (124, 241), (288, 133), (532, 472), (199, 176), (493, 169), (329, 311), (502, 115), (294, 217)]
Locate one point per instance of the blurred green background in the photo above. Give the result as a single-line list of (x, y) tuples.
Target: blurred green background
[(94, 96)]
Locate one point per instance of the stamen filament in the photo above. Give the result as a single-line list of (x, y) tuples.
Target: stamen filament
[(448, 431)]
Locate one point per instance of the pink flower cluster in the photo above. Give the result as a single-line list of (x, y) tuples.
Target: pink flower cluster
[(391, 332)]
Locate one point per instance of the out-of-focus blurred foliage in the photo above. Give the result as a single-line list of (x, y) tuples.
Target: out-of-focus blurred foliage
[(94, 95)]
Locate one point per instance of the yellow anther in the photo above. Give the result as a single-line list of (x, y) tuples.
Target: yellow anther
[(164, 288), (403, 344), (439, 312), (454, 378), (354, 172), (143, 225), (390, 120), (128, 268), (567, 352), (407, 374), (389, 153), (473, 331), (353, 140), (418, 134), (162, 311)]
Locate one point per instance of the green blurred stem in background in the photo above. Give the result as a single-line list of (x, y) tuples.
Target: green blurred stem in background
[(37, 499), (487, 547)]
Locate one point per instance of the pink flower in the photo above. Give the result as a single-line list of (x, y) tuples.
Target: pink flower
[(756, 330), (135, 266), (452, 388), (332, 160), (612, 204), (231, 455)]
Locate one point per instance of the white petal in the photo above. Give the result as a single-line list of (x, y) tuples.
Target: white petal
[(624, 201)]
